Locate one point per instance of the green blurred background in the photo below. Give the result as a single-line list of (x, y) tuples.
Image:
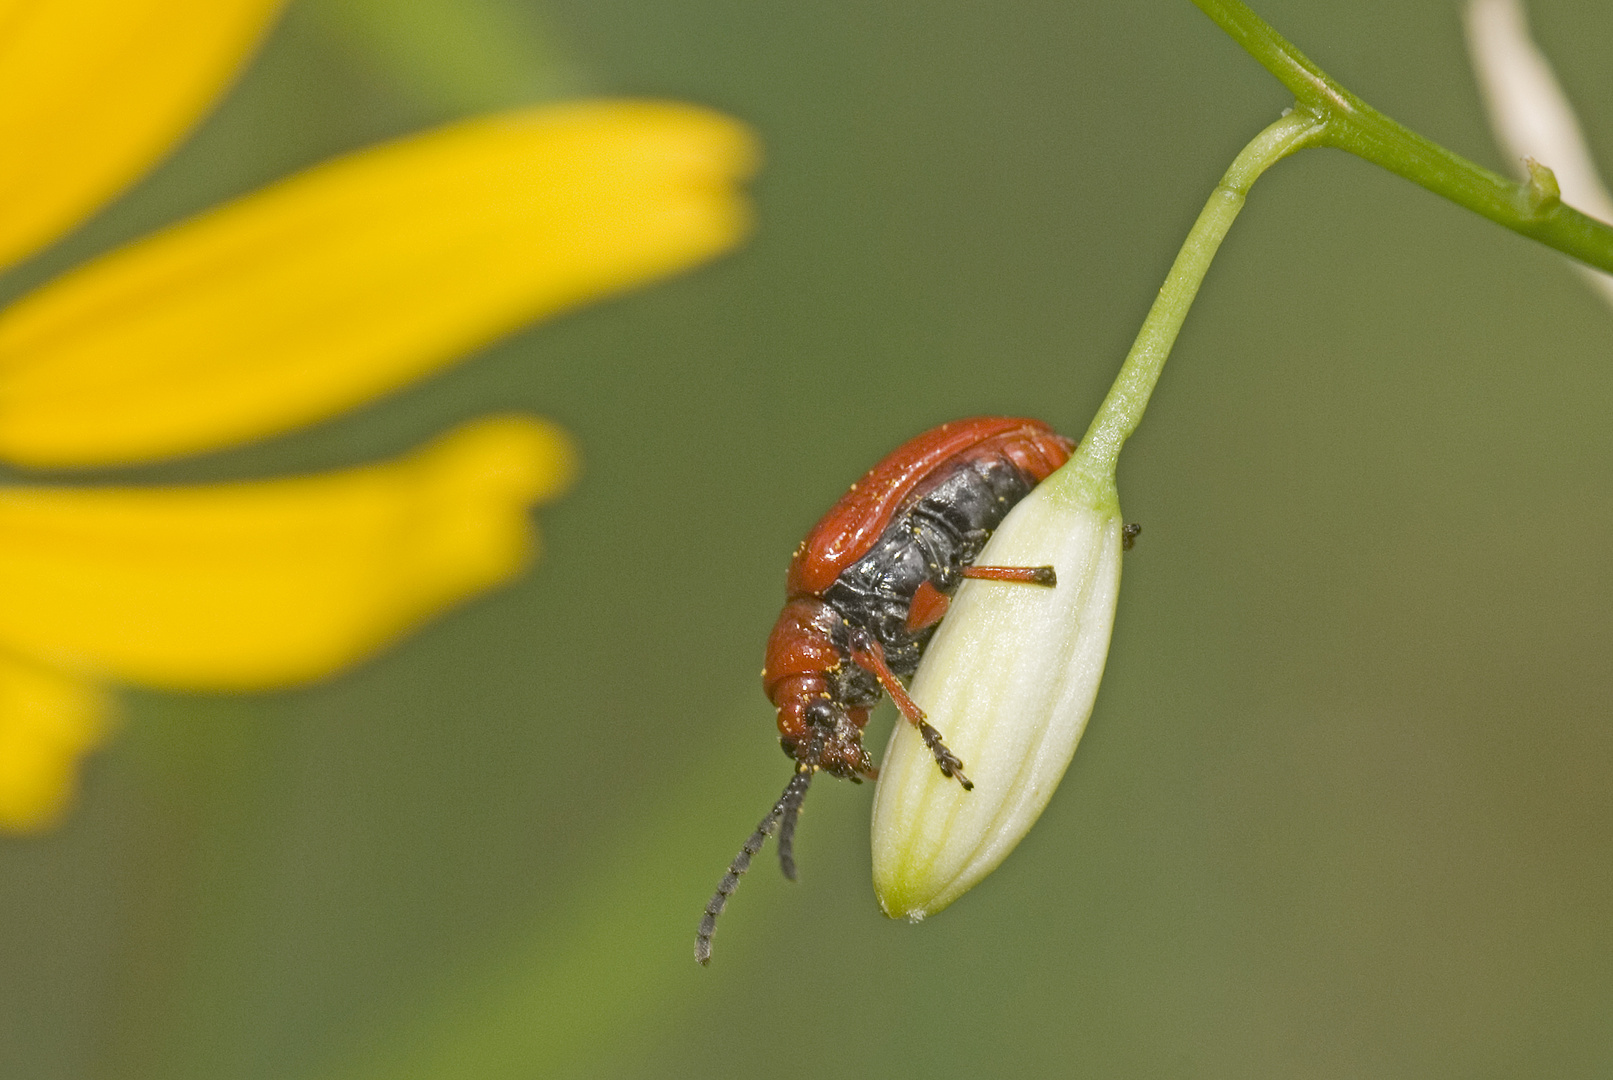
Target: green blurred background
[(1344, 808)]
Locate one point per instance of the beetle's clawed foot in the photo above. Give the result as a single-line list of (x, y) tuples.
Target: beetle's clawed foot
[(951, 765)]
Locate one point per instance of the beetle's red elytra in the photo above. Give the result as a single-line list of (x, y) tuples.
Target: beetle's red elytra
[(865, 592)]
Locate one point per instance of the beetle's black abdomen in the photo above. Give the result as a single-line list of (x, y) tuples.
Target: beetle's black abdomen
[(940, 530)]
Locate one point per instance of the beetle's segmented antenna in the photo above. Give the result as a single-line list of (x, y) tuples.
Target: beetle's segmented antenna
[(794, 794), (794, 791), (730, 882)]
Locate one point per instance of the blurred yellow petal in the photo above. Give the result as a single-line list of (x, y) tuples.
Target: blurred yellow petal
[(47, 722), (92, 92), (356, 277), (275, 582)]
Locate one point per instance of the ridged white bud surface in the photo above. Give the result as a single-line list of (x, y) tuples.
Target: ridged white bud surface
[(1009, 680)]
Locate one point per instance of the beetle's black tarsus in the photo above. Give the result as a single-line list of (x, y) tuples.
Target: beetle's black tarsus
[(951, 765)]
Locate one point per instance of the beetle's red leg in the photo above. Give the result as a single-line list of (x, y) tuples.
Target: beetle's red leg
[(1029, 575), (867, 653), (929, 606)]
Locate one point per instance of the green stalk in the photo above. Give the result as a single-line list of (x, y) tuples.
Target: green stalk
[(1532, 208), (1093, 466)]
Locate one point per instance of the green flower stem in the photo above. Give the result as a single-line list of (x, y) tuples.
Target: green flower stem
[(1093, 466), (1531, 208)]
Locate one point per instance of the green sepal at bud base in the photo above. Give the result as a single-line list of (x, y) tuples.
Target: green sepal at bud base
[(1009, 679)]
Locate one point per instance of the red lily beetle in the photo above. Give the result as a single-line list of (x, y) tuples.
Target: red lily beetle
[(867, 588)]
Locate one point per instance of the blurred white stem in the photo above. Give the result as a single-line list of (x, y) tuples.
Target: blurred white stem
[(1531, 114)]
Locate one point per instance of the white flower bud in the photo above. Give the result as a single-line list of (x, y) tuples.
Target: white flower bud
[(1009, 680)]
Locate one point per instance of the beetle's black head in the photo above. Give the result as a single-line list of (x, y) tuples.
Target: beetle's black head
[(821, 733)]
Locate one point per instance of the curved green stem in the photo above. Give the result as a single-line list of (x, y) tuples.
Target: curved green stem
[(1122, 409), (1326, 115), (1531, 208)]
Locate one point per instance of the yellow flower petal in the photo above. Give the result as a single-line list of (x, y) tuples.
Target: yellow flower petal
[(358, 276), (274, 582), (92, 92), (47, 722)]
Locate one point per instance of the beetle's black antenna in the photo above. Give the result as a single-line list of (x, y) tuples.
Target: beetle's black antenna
[(794, 791), (791, 804)]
